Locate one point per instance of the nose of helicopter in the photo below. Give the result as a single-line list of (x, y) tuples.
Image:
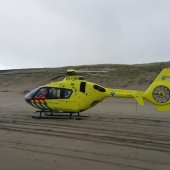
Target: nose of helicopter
[(27, 98), (30, 96)]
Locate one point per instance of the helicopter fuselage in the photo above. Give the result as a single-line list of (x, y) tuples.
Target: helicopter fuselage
[(72, 95)]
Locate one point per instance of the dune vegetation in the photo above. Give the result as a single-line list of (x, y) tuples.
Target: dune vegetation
[(137, 76)]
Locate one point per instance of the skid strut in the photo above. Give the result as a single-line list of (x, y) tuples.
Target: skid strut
[(78, 115)]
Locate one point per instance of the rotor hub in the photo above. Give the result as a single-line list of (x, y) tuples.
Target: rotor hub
[(71, 72), (161, 94)]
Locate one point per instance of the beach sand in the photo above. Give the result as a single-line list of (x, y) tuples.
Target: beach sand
[(116, 134)]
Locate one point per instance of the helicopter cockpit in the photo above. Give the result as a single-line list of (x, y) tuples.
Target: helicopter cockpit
[(45, 92)]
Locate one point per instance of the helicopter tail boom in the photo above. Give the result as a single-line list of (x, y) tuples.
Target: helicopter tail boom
[(119, 93)]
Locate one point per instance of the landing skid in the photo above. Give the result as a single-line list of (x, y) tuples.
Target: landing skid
[(50, 114)]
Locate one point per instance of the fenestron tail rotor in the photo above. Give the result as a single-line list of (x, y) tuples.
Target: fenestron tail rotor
[(161, 94)]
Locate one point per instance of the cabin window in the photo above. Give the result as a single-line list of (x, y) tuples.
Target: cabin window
[(99, 88), (59, 93), (83, 87), (52, 93)]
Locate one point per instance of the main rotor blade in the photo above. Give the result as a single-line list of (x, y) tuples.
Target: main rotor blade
[(88, 71), (57, 77), (101, 75)]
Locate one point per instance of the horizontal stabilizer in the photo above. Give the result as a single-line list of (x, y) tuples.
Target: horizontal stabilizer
[(138, 96)]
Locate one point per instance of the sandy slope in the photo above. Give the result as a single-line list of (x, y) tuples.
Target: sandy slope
[(116, 135)]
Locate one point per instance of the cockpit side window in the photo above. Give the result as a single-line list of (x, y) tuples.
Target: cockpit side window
[(66, 93), (59, 93), (41, 93)]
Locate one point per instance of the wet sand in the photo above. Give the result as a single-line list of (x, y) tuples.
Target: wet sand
[(116, 135)]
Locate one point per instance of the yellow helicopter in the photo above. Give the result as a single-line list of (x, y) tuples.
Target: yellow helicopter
[(74, 94)]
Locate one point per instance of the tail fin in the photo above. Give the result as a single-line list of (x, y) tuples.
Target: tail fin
[(158, 92)]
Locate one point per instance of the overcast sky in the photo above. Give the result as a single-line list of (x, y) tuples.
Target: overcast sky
[(54, 33)]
